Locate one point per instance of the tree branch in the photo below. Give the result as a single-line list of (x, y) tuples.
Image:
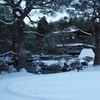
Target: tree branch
[(19, 2), (32, 22), (33, 32), (7, 23)]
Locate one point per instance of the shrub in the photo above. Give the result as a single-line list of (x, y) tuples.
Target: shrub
[(3, 66), (88, 59), (54, 67), (76, 65)]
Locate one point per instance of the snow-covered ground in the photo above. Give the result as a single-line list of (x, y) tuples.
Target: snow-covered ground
[(73, 85)]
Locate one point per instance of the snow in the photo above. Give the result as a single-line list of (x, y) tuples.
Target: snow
[(73, 85), (75, 44), (75, 29), (11, 23), (86, 52)]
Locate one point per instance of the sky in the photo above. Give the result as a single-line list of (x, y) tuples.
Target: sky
[(36, 17)]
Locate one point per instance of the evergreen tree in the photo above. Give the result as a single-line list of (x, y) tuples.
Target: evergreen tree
[(43, 26), (91, 9), (7, 33), (19, 13), (85, 25)]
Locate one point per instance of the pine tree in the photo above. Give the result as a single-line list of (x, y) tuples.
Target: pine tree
[(43, 26)]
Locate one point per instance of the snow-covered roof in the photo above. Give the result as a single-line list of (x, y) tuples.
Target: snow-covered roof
[(74, 29), (71, 29), (56, 32), (75, 44)]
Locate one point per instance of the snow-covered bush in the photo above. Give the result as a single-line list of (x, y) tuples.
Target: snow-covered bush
[(76, 65), (87, 59), (54, 67), (3, 65), (38, 69), (65, 67), (11, 68)]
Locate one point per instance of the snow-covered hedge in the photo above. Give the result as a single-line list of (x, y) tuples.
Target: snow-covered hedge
[(7, 62), (3, 65)]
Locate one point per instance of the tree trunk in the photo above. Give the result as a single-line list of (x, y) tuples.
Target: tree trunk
[(97, 46), (13, 45), (21, 24), (21, 53)]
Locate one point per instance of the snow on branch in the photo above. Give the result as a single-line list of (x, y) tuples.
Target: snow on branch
[(7, 53), (7, 23), (33, 32), (32, 22)]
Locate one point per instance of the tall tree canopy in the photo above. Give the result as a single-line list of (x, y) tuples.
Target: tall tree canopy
[(43, 26), (20, 9), (91, 9)]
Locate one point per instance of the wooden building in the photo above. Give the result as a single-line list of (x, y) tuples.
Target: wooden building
[(74, 35), (75, 40), (74, 48)]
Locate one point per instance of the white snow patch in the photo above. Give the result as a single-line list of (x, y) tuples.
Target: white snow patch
[(72, 85), (86, 52)]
